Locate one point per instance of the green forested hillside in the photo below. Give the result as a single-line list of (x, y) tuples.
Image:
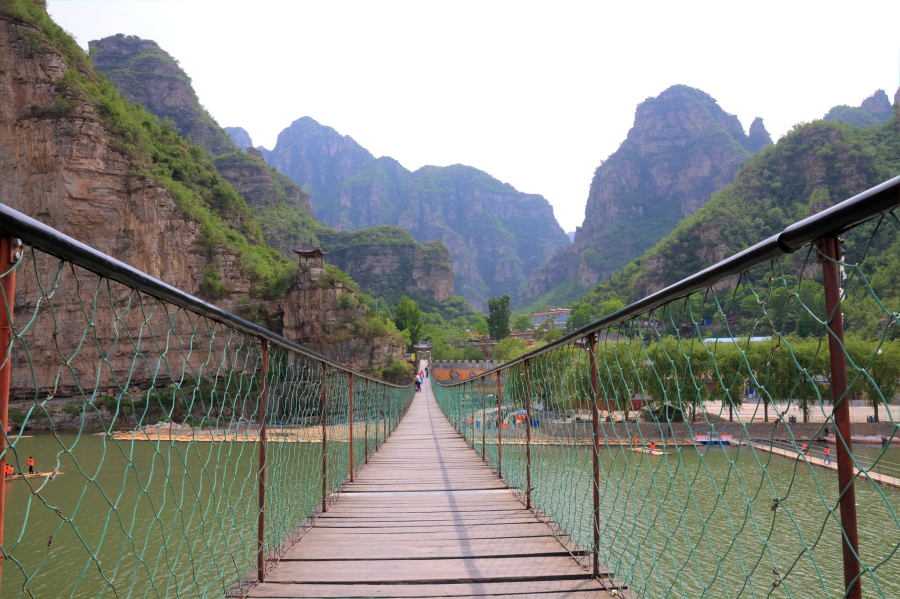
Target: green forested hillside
[(813, 167)]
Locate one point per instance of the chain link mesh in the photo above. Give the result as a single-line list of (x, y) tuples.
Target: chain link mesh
[(682, 513), (144, 420)]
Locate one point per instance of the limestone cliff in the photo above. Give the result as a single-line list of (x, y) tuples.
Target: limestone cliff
[(388, 262), (61, 164), (495, 233), (807, 171), (323, 315), (143, 72), (77, 156), (681, 148), (148, 75)]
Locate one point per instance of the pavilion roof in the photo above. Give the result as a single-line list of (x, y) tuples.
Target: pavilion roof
[(310, 249)]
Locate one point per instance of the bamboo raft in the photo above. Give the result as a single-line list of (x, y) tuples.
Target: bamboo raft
[(20, 475)]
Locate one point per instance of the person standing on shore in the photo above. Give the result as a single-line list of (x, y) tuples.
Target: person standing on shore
[(827, 455)]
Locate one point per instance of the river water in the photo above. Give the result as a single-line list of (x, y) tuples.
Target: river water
[(699, 522), (122, 514), (688, 524)]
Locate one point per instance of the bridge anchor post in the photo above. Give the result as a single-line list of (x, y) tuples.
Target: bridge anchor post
[(830, 254), (10, 254), (527, 435), (263, 433), (595, 431)]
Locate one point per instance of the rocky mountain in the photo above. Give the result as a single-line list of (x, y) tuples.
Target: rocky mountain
[(148, 75), (240, 137), (495, 234), (144, 72), (79, 156), (808, 170), (388, 262), (682, 148), (874, 110)]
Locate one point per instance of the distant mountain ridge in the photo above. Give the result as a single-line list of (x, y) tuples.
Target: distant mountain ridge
[(682, 148), (496, 234)]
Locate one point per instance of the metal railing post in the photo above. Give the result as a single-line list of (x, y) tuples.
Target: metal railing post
[(350, 377), (483, 421), (263, 433), (830, 248), (499, 428), (595, 429), (366, 453), (10, 253), (324, 407), (527, 436)]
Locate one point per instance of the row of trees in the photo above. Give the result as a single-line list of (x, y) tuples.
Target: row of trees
[(686, 373)]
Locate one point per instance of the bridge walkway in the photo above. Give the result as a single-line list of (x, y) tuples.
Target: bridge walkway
[(427, 518)]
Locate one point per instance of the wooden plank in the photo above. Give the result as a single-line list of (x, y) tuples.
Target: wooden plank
[(427, 517), (498, 569), (549, 589)]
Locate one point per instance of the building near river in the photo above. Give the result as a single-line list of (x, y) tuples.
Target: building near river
[(461, 370), (559, 316)]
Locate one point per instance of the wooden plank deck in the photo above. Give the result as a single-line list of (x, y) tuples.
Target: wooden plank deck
[(427, 518)]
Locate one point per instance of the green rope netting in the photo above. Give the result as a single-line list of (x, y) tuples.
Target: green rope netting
[(145, 419), (746, 363)]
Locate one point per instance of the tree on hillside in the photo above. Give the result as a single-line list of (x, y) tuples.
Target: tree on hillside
[(582, 314), (408, 317), (498, 317), (547, 331), (521, 322), (510, 349)]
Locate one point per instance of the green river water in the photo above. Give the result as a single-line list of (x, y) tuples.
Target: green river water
[(690, 524), (182, 515), (699, 522)]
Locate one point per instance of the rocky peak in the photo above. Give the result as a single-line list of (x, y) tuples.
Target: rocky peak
[(682, 147), (240, 137), (495, 233), (758, 138), (878, 104), (148, 75), (874, 110)]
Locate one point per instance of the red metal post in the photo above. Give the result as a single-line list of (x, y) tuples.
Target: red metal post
[(323, 407), (350, 376), (261, 518), (499, 428), (527, 436), (830, 247), (366, 392), (595, 426), (10, 253)]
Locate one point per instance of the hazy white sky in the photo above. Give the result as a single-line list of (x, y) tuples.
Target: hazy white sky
[(536, 94)]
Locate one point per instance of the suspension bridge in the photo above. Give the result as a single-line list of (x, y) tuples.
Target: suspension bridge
[(232, 462), (426, 517)]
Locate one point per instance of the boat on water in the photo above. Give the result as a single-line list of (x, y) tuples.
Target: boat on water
[(719, 437), (874, 439)]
